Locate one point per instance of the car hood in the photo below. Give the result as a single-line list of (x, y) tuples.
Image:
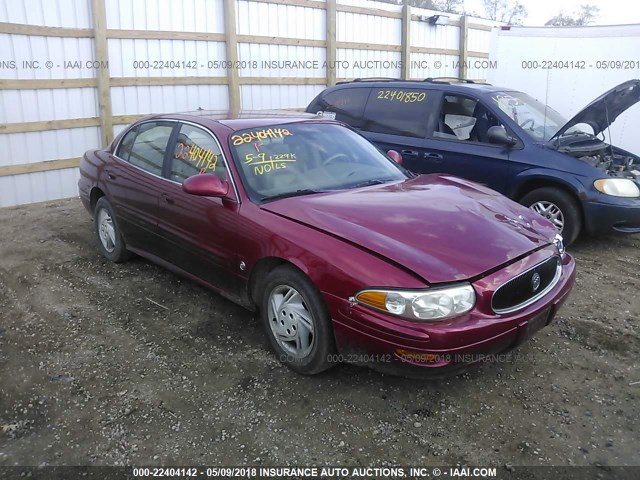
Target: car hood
[(603, 111), (441, 227)]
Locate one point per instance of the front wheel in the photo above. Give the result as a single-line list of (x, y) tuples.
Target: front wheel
[(297, 321), (559, 208)]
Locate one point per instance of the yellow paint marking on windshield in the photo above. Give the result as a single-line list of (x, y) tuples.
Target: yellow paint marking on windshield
[(246, 137), (262, 164)]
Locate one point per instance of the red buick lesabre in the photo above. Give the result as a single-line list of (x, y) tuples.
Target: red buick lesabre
[(345, 255)]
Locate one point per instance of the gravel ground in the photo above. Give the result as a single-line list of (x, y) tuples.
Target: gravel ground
[(104, 364)]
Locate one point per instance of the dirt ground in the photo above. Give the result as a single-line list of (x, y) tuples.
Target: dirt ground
[(92, 371)]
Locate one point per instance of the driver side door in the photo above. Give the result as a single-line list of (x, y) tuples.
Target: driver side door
[(458, 143), (200, 233)]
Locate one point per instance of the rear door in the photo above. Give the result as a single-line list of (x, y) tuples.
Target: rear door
[(458, 142), (199, 232), (396, 119), (134, 180)]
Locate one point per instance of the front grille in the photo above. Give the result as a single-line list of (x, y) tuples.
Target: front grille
[(519, 292)]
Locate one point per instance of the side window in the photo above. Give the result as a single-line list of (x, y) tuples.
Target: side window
[(124, 149), (196, 152), (397, 111), (150, 146), (464, 118), (347, 104)]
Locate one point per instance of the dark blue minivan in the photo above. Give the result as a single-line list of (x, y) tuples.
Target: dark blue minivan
[(506, 140)]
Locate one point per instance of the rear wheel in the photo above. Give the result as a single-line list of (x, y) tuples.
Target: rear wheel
[(559, 208), (297, 321), (110, 240)]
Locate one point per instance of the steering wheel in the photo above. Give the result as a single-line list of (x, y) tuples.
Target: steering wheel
[(527, 121), (335, 157)]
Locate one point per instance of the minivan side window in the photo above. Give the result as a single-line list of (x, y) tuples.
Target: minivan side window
[(196, 151), (397, 111), (347, 103), (150, 146), (464, 118)]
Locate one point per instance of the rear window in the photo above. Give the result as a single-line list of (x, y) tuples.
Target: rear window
[(397, 111), (347, 104)]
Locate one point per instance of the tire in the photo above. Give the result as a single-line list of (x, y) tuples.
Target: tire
[(548, 200), (108, 234), (297, 322)]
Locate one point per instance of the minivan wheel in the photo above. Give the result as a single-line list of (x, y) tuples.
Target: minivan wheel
[(110, 240), (297, 322), (559, 208)]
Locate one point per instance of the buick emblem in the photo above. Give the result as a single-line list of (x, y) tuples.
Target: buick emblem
[(535, 282)]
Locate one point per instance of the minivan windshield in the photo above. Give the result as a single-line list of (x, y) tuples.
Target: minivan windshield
[(538, 120), (308, 157)]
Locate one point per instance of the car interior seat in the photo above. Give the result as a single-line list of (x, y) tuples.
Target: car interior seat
[(484, 121), (447, 109)]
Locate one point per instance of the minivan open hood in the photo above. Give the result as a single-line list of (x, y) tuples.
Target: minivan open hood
[(603, 111)]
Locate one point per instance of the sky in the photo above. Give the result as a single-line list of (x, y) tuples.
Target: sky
[(612, 12)]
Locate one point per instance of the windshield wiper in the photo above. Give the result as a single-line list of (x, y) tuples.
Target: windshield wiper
[(295, 193), (374, 181)]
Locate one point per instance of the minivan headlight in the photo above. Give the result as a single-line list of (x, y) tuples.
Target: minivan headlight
[(617, 187), (432, 304)]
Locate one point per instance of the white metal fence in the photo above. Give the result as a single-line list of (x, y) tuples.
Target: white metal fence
[(74, 72)]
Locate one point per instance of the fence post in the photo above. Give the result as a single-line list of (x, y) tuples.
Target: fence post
[(464, 31), (231, 40), (102, 56), (331, 42), (406, 40)]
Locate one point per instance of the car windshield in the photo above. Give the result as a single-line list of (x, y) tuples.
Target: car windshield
[(301, 158), (538, 120)]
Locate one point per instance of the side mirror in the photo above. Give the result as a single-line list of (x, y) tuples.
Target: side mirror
[(395, 156), (498, 135), (205, 185)]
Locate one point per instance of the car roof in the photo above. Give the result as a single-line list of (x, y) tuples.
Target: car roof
[(244, 119), (451, 85)]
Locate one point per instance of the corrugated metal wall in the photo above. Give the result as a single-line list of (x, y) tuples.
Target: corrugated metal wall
[(267, 32), (44, 104)]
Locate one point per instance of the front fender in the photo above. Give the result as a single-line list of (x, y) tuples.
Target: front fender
[(541, 177)]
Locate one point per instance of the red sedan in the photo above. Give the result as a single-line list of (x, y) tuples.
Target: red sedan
[(346, 255)]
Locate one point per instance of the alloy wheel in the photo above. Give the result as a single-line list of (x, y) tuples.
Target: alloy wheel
[(549, 211)]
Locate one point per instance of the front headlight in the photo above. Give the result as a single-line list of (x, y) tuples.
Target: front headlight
[(617, 187), (558, 241), (431, 304)]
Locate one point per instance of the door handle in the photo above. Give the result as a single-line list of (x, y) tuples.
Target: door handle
[(110, 174), (409, 153), (168, 199), (436, 157)]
